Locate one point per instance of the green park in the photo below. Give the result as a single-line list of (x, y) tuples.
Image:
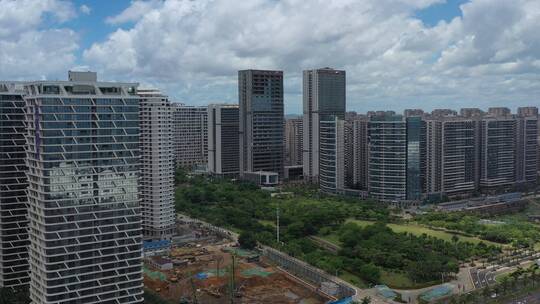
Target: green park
[(372, 243)]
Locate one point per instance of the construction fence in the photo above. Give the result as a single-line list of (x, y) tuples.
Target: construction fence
[(309, 273)]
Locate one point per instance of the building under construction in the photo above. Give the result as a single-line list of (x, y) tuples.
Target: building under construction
[(210, 270)]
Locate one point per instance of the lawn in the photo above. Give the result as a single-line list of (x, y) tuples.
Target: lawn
[(353, 279), (397, 280), (391, 279), (413, 229), (268, 223)]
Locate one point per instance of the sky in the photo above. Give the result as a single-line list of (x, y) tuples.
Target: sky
[(398, 54)]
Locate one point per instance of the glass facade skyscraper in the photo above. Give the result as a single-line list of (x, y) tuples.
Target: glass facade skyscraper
[(84, 210), (261, 127), (13, 201), (223, 140)]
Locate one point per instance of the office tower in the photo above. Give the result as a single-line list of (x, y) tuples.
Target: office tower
[(323, 99), (394, 170), (360, 153), (190, 134), (452, 151), (527, 146), (13, 209), (332, 155), (260, 96), (157, 166), (293, 141), (223, 140), (498, 151), (85, 216)]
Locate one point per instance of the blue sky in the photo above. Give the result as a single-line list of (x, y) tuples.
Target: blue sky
[(445, 11), (397, 53), (92, 27)]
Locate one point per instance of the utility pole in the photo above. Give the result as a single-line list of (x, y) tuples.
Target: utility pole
[(193, 289), (277, 223), (232, 293)]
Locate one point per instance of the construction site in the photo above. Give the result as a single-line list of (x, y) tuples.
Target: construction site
[(208, 268)]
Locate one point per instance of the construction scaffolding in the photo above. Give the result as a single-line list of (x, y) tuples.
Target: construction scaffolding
[(309, 273)]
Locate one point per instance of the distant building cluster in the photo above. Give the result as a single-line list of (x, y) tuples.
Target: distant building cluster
[(87, 167), (409, 157)]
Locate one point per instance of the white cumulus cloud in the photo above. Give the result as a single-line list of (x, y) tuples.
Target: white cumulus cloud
[(28, 51), (85, 9)]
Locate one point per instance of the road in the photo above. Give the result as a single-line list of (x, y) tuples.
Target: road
[(483, 277), (529, 299), (325, 244)]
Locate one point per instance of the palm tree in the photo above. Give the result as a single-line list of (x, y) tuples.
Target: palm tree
[(486, 292), (504, 284), (469, 298), (534, 276), (366, 300)]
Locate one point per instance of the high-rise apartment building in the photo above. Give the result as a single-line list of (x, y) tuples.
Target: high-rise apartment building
[(293, 141), (387, 157), (157, 166), (323, 100), (223, 140), (332, 169), (527, 146), (452, 155), (260, 96), (13, 183), (395, 163), (190, 134), (498, 151), (84, 210)]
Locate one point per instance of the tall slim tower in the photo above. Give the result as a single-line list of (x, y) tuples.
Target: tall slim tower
[(157, 166), (85, 216), (293, 141), (323, 100), (527, 146), (13, 201), (332, 155), (223, 139), (360, 153), (190, 134), (261, 120)]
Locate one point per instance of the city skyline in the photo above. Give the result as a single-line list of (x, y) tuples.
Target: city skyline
[(421, 54), (269, 151)]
